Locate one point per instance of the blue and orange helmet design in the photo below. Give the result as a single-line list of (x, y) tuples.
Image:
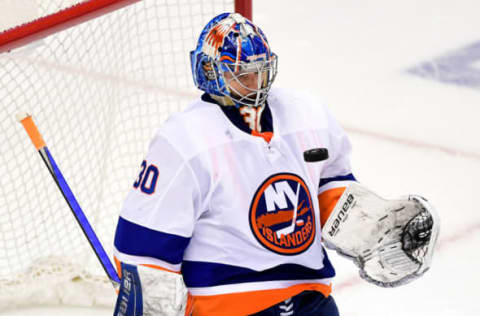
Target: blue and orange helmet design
[(231, 44)]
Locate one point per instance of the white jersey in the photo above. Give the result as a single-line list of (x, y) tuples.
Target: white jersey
[(238, 216)]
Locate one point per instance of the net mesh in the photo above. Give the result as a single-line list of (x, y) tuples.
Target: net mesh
[(97, 92)]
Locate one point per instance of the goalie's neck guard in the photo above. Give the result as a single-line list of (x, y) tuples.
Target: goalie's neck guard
[(240, 117)]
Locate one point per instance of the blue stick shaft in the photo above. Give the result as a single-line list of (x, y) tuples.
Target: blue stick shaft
[(80, 216)]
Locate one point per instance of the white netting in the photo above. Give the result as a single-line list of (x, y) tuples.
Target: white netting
[(97, 92)]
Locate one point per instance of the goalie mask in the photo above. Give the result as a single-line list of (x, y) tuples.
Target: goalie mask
[(233, 60)]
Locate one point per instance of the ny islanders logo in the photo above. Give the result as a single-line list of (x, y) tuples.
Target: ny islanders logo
[(281, 215)]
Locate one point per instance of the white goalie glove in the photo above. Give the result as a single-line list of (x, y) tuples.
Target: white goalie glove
[(391, 241)]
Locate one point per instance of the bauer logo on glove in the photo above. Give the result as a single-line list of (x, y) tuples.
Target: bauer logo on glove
[(342, 215), (391, 241)]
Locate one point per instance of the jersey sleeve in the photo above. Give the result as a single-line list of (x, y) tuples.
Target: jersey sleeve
[(159, 213), (336, 174)]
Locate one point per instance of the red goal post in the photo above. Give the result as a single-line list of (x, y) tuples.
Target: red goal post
[(99, 76), (20, 35)]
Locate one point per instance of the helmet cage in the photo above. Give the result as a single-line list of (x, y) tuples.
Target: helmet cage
[(228, 72)]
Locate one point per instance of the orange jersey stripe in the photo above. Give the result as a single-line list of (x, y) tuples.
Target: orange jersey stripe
[(189, 306), (327, 201), (246, 303), (160, 268), (118, 264), (265, 135)]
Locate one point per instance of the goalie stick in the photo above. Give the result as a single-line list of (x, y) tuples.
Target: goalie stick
[(37, 140)]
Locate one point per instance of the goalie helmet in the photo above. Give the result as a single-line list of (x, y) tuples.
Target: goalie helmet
[(230, 49)]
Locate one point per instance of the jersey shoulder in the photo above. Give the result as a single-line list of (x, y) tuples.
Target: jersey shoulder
[(200, 126)]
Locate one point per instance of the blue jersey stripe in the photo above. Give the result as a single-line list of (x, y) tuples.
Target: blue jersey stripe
[(348, 177), (136, 240), (203, 274)]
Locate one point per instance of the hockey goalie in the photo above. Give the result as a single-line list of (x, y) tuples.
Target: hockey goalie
[(228, 210)]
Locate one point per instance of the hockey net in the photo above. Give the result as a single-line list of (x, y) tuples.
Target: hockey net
[(97, 91)]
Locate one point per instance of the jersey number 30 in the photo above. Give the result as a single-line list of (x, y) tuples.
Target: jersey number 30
[(147, 179)]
